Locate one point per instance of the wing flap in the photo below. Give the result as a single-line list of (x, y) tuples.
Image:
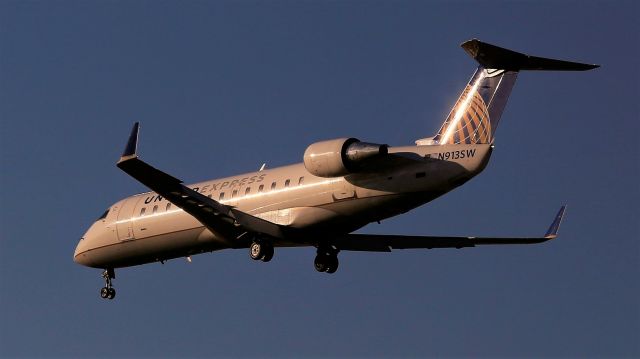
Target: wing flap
[(386, 243)]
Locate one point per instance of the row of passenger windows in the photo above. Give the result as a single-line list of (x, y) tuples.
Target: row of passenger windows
[(247, 190), (234, 194), (154, 210)]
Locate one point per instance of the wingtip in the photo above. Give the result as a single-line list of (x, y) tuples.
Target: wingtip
[(552, 232), (132, 144)]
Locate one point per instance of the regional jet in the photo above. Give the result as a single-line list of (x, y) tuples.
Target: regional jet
[(341, 185)]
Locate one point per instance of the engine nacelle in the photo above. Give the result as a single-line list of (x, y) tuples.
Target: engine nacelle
[(339, 157)]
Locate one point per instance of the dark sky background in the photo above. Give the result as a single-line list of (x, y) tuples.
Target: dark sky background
[(222, 86)]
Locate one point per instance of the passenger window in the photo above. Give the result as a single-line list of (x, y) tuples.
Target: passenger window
[(246, 191), (273, 186), (142, 211), (286, 183), (300, 180), (168, 207), (234, 193), (261, 188), (155, 209), (221, 196)]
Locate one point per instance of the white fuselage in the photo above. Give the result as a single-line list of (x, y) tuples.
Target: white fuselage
[(146, 227)]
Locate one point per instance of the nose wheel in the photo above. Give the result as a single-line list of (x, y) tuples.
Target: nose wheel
[(108, 292)]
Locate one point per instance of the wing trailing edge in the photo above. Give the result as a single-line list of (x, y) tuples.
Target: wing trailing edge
[(227, 221), (386, 243)]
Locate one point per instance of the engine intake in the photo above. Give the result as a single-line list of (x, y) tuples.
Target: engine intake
[(339, 157)]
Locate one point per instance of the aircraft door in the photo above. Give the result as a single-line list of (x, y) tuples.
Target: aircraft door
[(124, 223)]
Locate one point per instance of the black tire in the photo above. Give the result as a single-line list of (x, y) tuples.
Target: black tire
[(104, 292), (320, 263), (256, 251), (268, 253), (112, 293), (332, 265)]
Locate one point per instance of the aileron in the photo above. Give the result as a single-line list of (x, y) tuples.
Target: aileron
[(377, 242)]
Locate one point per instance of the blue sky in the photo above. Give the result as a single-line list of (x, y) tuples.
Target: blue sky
[(222, 86)]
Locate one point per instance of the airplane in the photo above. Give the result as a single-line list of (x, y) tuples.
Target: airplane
[(341, 186)]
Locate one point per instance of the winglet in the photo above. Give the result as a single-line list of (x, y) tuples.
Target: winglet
[(552, 232), (132, 144)]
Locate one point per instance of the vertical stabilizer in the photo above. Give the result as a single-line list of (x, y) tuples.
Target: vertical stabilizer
[(475, 116)]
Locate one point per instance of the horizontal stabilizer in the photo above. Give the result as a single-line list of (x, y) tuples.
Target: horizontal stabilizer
[(494, 57)]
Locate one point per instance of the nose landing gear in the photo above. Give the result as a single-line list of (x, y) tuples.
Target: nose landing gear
[(108, 292)]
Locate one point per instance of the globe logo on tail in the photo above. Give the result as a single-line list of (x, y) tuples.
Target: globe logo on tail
[(468, 122)]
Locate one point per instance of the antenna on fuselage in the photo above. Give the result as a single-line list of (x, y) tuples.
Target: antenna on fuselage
[(262, 167)]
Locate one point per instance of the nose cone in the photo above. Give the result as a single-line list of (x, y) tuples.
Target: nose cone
[(80, 254), (91, 250)]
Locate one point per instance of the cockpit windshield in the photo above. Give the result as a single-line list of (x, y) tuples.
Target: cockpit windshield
[(104, 215)]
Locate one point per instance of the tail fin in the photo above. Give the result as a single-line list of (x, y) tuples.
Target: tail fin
[(475, 116)]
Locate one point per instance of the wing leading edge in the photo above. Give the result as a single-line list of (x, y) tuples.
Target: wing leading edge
[(226, 221), (386, 243)]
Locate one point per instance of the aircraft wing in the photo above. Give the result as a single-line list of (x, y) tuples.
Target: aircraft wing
[(225, 220), (386, 243)]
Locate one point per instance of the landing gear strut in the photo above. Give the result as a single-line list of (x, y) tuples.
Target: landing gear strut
[(108, 292), (326, 260), (261, 250)]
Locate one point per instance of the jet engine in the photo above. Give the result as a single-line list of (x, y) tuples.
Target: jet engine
[(339, 157)]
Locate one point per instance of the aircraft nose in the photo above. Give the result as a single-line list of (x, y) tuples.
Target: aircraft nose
[(90, 251), (79, 255)]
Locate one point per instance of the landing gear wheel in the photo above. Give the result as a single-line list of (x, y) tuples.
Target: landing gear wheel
[(326, 260), (320, 263), (261, 251), (108, 292), (268, 254), (333, 264), (256, 251)]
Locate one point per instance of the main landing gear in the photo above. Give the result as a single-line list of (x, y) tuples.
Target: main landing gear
[(326, 260), (261, 250), (108, 292)]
